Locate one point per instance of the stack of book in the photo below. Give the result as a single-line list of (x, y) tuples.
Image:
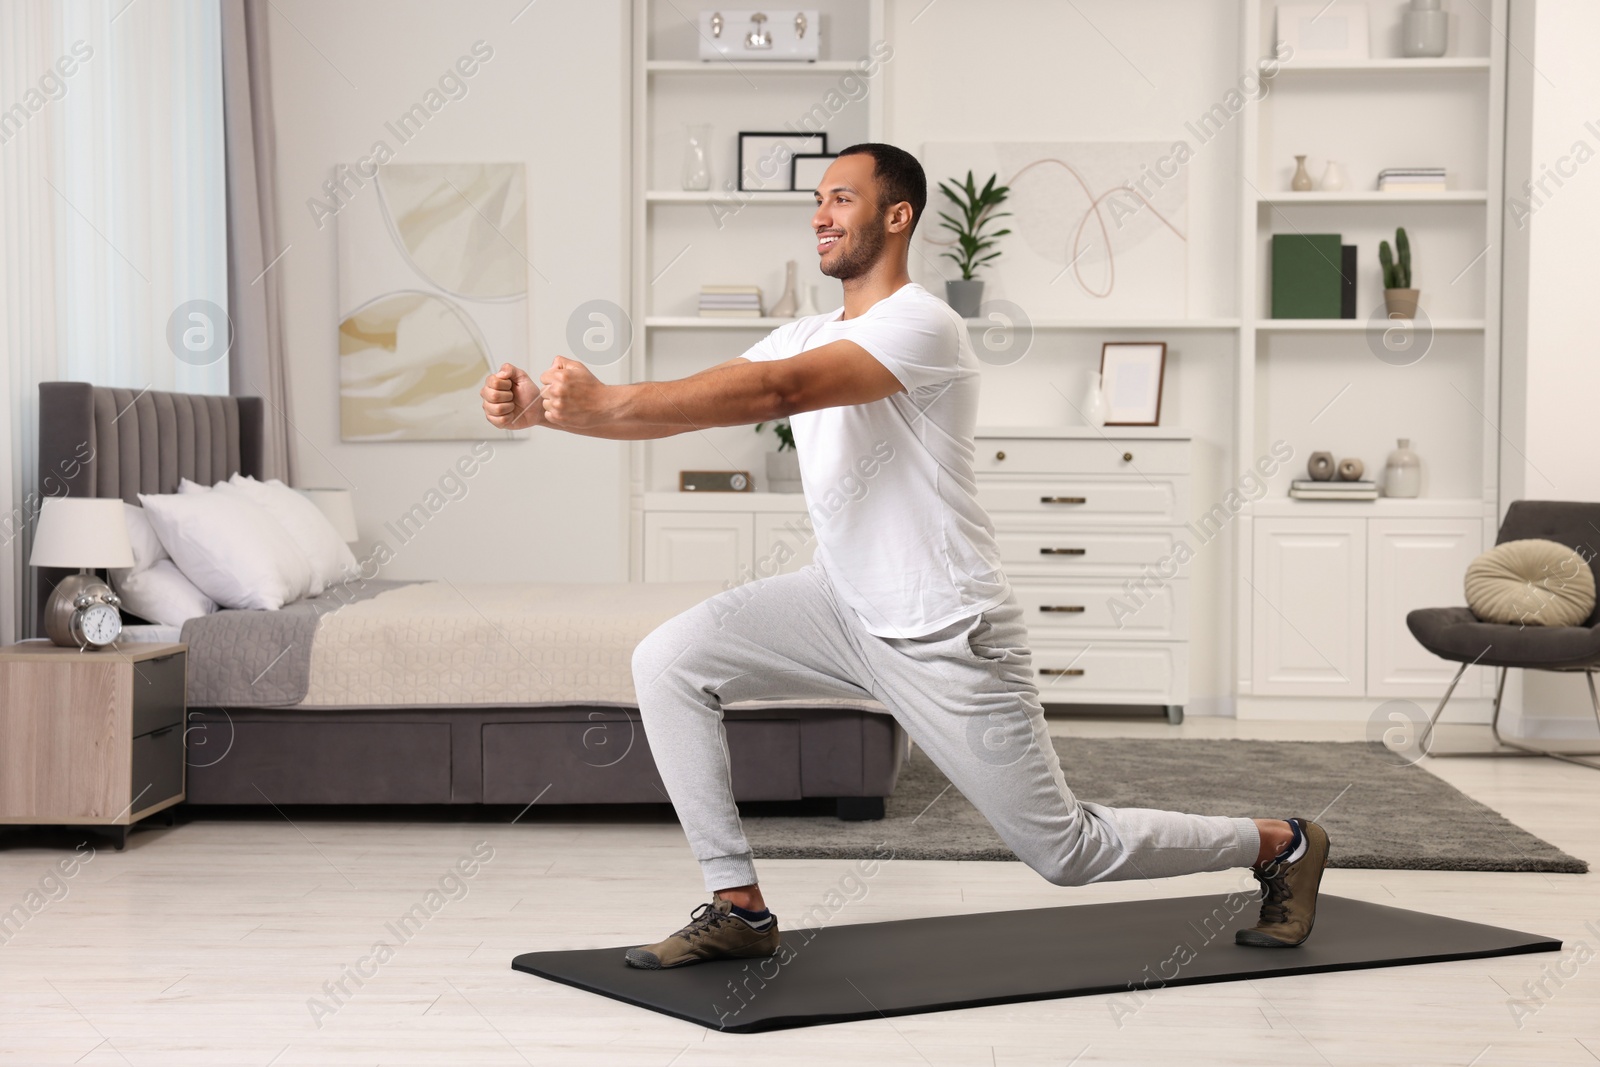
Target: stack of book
[(730, 301), (1307, 489), (1411, 180)]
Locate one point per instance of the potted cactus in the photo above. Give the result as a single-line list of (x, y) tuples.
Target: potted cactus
[(977, 209), (783, 466), (1398, 297)]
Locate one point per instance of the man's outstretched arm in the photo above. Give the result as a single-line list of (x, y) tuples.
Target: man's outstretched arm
[(736, 393)]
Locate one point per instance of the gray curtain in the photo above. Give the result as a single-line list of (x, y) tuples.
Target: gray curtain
[(255, 362)]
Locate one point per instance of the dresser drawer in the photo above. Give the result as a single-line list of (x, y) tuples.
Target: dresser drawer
[(1040, 549), (1109, 673), (1076, 608), (1097, 455), (1157, 499)]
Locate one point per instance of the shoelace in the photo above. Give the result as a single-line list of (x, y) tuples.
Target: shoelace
[(1275, 893), (702, 920)]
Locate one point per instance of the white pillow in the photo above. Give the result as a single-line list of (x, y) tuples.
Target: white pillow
[(146, 545), (331, 559), (161, 594), (233, 550)]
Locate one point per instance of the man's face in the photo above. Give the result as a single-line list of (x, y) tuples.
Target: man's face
[(848, 222)]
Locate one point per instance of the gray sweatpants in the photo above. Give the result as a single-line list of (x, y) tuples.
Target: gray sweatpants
[(965, 695)]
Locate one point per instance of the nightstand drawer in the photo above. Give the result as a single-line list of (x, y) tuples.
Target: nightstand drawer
[(158, 693), (1159, 498), (157, 768)]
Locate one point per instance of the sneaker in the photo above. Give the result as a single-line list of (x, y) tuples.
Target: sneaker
[(713, 933), (1289, 894)]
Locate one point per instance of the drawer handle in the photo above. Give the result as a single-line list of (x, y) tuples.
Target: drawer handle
[(1068, 608), (1061, 551), (1127, 457), (1063, 500), (1066, 671), (999, 455)]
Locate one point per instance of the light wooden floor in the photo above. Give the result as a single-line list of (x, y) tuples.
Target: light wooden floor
[(204, 944)]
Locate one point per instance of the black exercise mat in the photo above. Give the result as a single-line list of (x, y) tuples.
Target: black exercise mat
[(909, 966)]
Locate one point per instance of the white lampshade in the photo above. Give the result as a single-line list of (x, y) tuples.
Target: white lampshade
[(81, 532), (339, 507)]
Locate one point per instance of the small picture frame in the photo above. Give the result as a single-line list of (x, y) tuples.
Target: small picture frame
[(1323, 32), (1131, 377), (806, 172), (765, 158)]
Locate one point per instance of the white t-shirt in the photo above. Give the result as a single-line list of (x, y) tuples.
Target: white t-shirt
[(889, 484)]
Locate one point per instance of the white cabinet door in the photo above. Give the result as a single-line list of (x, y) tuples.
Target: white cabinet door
[(1308, 603), (1415, 563), (785, 542), (694, 547)]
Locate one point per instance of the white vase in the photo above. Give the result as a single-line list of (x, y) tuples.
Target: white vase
[(787, 303), (808, 305), (696, 157), (783, 472), (1402, 474), (1332, 177), (1094, 403)]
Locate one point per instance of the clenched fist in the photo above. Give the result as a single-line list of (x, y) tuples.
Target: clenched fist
[(511, 399), (574, 399)]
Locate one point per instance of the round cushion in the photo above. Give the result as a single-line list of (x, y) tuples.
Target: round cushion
[(1531, 583)]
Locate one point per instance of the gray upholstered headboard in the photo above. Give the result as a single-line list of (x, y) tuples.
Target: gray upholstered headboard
[(98, 441)]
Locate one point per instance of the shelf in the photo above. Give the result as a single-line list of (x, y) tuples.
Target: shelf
[(670, 500), (1353, 325), (1152, 325), (739, 196), (1383, 507), (1453, 196), (728, 66), (1444, 64), (1093, 433), (697, 322)]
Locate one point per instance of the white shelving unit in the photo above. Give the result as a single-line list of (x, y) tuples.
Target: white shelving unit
[(683, 239), (1367, 561)]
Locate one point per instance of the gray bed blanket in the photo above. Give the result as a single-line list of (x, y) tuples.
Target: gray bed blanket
[(262, 659)]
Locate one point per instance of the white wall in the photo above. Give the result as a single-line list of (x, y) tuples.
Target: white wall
[(553, 96), (1552, 347)]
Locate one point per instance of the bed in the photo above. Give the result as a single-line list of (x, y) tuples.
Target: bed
[(517, 694)]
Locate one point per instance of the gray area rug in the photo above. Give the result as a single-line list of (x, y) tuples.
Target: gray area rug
[(1379, 812)]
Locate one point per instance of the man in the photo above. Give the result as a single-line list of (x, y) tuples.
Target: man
[(906, 601)]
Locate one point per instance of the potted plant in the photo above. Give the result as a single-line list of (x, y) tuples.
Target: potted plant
[(1398, 296), (783, 466), (977, 209)]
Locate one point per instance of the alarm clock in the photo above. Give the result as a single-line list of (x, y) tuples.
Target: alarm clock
[(82, 613)]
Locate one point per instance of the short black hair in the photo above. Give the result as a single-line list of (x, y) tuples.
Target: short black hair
[(899, 176)]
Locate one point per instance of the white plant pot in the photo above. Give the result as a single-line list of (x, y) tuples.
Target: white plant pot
[(783, 472)]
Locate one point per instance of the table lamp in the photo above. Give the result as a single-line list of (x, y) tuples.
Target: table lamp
[(82, 533)]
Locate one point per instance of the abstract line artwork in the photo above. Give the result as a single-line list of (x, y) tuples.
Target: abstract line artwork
[(433, 294), (1099, 230)]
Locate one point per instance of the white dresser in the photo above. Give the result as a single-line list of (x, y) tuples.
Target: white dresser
[(1085, 520)]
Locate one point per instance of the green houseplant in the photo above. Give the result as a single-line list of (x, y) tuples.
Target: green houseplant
[(783, 466), (977, 209), (1399, 298)]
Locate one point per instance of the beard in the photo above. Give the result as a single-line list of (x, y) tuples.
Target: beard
[(867, 245)]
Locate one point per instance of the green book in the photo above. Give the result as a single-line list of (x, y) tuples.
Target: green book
[(1306, 279)]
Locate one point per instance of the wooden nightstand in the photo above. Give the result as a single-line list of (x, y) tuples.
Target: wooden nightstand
[(90, 738)]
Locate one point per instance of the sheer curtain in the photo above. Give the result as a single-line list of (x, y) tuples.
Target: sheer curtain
[(112, 220)]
